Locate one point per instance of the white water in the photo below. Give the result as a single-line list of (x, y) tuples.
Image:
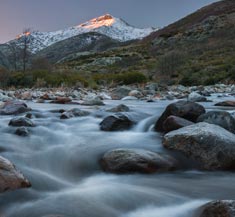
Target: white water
[(61, 159)]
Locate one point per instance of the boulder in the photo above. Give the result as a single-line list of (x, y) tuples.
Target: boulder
[(196, 97), (136, 160), (116, 122), (10, 177), (26, 96), (220, 208), (22, 131), (228, 103), (21, 122), (120, 92), (221, 118), (74, 113), (175, 123), (184, 109), (119, 108), (210, 145), (61, 100), (14, 108), (92, 102), (135, 93)]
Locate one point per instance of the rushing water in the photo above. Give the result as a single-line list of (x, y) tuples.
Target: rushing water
[(61, 159)]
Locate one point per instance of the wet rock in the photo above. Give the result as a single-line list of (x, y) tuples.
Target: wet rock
[(226, 103), (92, 102), (129, 98), (210, 145), (21, 122), (74, 113), (40, 101), (120, 92), (184, 109), (175, 123), (4, 97), (136, 160), (119, 108), (135, 93), (22, 131), (221, 118), (116, 122), (61, 100), (10, 177), (196, 97), (220, 208), (14, 108), (26, 96)]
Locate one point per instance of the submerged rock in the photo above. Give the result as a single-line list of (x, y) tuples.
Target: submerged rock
[(10, 177), (220, 208), (21, 121), (119, 108), (221, 118), (136, 160), (22, 131), (14, 108), (74, 113), (175, 123), (210, 145), (226, 103), (184, 109), (116, 122)]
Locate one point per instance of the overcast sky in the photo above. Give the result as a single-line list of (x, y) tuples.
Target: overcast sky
[(49, 15)]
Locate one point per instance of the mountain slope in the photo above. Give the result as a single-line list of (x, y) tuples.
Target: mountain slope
[(108, 25), (198, 49), (77, 45)]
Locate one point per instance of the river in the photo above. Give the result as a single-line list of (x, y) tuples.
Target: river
[(61, 160)]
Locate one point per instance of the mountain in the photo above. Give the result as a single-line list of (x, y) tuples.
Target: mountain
[(196, 50), (108, 25), (83, 44)]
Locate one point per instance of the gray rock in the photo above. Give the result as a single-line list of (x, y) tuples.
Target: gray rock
[(119, 108), (220, 208), (74, 113), (196, 97), (93, 102), (22, 131), (221, 118), (116, 122), (10, 177), (210, 145), (175, 123), (184, 109), (14, 108), (136, 160), (120, 92), (21, 122), (226, 103)]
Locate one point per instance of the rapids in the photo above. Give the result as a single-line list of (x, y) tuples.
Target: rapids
[(61, 160)]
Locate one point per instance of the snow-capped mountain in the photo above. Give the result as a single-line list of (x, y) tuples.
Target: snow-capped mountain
[(107, 25)]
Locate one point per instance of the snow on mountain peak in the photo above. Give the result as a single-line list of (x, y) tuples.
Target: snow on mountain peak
[(107, 25)]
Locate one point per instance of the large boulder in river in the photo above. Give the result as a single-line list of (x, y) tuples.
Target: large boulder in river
[(116, 122), (220, 208), (175, 123), (14, 108), (10, 177), (76, 112), (136, 160), (226, 103), (210, 145), (184, 109), (21, 122), (221, 118), (22, 131)]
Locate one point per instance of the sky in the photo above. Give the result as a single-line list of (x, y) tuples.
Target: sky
[(50, 15)]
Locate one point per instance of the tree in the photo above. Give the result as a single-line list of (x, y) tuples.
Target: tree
[(14, 51)]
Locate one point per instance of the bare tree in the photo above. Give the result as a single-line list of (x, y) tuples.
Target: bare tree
[(26, 40)]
